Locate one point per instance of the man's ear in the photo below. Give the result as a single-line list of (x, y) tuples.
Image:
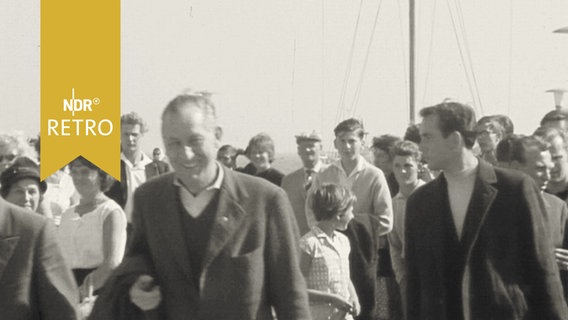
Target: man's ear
[(218, 135), (456, 140)]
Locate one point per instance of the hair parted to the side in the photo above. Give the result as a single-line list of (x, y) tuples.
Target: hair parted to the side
[(550, 133), (329, 200), (513, 147), (134, 118), (200, 99), (350, 125), (406, 149), (105, 179), (454, 117)]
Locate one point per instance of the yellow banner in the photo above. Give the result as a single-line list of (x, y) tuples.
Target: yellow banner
[(80, 84)]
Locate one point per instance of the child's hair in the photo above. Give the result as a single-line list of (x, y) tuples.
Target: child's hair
[(330, 200)]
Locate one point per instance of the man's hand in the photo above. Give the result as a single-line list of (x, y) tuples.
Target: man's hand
[(355, 307), (144, 294)]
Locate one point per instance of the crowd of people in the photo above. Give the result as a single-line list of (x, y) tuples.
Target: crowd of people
[(457, 219)]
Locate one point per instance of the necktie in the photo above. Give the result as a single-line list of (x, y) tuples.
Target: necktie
[(309, 178)]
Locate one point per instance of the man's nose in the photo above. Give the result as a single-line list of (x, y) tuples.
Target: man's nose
[(188, 152)]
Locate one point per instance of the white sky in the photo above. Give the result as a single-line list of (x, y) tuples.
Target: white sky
[(266, 60)]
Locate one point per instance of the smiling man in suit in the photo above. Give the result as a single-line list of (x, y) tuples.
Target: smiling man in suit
[(476, 245), (35, 283), (219, 244)]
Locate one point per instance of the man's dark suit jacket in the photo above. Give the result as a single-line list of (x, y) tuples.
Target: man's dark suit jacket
[(154, 169), (251, 262), (35, 283), (510, 272)]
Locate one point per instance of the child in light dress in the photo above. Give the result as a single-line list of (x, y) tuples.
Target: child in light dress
[(325, 255)]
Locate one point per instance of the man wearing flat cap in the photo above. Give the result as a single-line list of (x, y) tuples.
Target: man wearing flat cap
[(298, 182)]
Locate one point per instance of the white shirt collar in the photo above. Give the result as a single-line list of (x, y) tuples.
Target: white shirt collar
[(216, 185), (361, 164)]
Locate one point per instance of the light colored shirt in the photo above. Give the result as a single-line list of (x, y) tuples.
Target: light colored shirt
[(396, 236), (329, 271), (81, 237), (460, 189), (135, 176), (195, 204), (368, 184)]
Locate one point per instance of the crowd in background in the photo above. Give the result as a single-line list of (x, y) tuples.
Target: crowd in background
[(357, 229)]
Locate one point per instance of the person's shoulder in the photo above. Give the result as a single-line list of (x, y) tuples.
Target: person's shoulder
[(251, 183), (156, 183), (296, 175), (509, 179), (22, 220), (553, 200)]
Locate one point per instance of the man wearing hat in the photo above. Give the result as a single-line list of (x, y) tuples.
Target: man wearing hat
[(20, 184), (298, 182)]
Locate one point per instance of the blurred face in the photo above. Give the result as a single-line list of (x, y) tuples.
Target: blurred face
[(25, 193), (227, 158), (487, 137), (130, 135), (86, 180), (537, 165), (559, 172), (8, 154), (436, 150), (157, 154), (405, 169), (348, 145), (309, 152), (344, 218), (191, 139), (259, 157), (382, 160)]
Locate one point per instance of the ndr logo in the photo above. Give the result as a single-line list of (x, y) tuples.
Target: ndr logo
[(77, 105)]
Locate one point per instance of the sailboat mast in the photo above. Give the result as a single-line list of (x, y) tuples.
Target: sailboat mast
[(411, 51)]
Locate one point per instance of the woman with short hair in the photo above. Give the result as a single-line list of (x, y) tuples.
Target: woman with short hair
[(92, 233)]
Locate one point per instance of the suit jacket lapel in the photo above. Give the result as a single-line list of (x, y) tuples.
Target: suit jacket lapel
[(228, 217), (481, 200), (437, 206)]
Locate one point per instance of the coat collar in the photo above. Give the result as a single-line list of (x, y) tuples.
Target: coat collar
[(483, 195), (228, 218)]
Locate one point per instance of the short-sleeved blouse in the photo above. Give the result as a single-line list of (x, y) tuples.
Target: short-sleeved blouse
[(81, 237), (329, 270)]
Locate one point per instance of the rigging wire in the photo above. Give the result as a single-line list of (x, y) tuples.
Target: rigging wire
[(429, 59), (292, 105), (404, 57), (510, 57), (341, 105), (362, 76), (468, 52), (322, 63), (461, 52)]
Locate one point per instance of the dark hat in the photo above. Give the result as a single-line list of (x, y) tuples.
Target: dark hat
[(314, 136), (22, 168)]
